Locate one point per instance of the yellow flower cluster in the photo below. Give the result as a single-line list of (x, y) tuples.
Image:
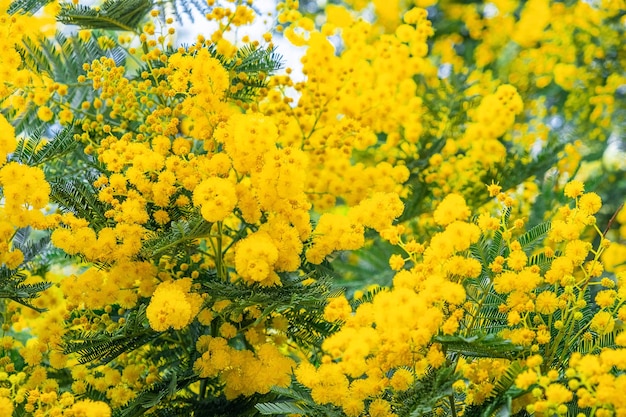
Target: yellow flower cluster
[(387, 343), (31, 355), (538, 45), (8, 142), (589, 381), (173, 306), (338, 232), (481, 376), (462, 162), (198, 189), (242, 371), (559, 293), (20, 87), (110, 243), (25, 192), (345, 102)]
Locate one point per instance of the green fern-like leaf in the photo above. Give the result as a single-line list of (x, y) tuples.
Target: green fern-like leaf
[(171, 383), (367, 297), (81, 198), (296, 399), (257, 64), (179, 238), (280, 408), (26, 6), (372, 265), (62, 59), (30, 248), (541, 260), (497, 246), (486, 345), (35, 151), (111, 15), (302, 305), (534, 236), (426, 393), (12, 287), (102, 346)]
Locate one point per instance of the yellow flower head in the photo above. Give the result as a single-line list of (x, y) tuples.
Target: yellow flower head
[(255, 258), (172, 306), (6, 405), (602, 323), (452, 208), (88, 408), (8, 143), (574, 189), (216, 197), (590, 203)]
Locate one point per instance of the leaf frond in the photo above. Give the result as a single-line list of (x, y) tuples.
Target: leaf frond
[(534, 236), (35, 150), (81, 198), (427, 392), (26, 6), (111, 15), (487, 345), (102, 347), (12, 287)]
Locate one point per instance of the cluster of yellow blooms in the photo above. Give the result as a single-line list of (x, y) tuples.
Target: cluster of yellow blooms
[(387, 343), (242, 370), (205, 189)]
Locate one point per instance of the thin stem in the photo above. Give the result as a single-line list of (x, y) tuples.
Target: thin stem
[(202, 391), (452, 407), (612, 219), (219, 264)]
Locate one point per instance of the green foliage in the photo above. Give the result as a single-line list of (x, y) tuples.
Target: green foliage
[(111, 15), (280, 408), (61, 58), (12, 287), (498, 246), (302, 304), (427, 393), (170, 384), (80, 197), (296, 397), (26, 6), (361, 268), (533, 237), (34, 150), (256, 63), (178, 239), (12, 284), (479, 345), (103, 346), (31, 249)]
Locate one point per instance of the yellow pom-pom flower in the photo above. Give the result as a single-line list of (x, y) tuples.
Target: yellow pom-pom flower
[(88, 408), (255, 258), (216, 197), (172, 306), (452, 208)]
